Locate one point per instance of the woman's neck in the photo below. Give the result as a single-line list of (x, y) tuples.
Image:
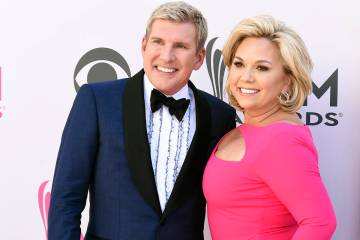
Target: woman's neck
[(261, 118)]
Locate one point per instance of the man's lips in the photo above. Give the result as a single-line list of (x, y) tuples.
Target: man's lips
[(166, 69)]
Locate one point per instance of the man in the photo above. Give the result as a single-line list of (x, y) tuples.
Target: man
[(141, 154)]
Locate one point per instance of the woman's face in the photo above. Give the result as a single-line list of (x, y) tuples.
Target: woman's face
[(256, 75)]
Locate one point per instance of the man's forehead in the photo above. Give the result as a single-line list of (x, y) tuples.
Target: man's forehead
[(177, 31), (160, 24)]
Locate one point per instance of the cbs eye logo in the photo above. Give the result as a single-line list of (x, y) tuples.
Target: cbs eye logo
[(100, 64)]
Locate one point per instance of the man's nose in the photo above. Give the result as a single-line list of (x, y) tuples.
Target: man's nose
[(167, 54)]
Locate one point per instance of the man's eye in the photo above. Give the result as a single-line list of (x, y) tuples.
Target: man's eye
[(181, 46)]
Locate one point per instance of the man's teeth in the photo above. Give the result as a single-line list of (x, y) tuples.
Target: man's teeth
[(167, 70), (248, 91)]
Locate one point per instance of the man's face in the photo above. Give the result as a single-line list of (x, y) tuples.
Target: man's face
[(170, 55)]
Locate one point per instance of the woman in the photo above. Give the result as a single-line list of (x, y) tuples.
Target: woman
[(262, 180)]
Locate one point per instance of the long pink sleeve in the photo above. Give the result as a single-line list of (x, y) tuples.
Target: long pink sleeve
[(290, 168)]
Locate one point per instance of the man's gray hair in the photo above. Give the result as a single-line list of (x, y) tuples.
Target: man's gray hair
[(181, 12)]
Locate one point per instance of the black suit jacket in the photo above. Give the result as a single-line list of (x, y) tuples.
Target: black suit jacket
[(105, 150)]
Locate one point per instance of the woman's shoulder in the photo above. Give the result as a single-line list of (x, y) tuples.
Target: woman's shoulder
[(280, 133), (282, 139)]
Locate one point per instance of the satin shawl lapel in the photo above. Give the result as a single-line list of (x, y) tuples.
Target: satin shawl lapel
[(192, 168), (136, 142)]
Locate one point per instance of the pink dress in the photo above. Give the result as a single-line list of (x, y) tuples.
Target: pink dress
[(274, 192)]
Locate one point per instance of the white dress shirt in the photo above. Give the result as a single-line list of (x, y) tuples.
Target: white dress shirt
[(169, 139)]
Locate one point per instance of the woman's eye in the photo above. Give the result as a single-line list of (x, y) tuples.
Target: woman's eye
[(238, 64), (262, 68)]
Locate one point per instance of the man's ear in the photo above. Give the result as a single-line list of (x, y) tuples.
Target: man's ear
[(143, 45), (200, 56)]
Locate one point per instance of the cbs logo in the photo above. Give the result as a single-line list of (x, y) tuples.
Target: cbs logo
[(100, 64)]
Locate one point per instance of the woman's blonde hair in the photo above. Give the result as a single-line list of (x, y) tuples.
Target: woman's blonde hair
[(296, 59)]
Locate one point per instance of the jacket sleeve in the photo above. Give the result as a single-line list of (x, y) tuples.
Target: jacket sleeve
[(232, 121), (290, 168), (73, 169)]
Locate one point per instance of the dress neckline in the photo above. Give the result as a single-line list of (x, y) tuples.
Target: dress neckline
[(274, 124)]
